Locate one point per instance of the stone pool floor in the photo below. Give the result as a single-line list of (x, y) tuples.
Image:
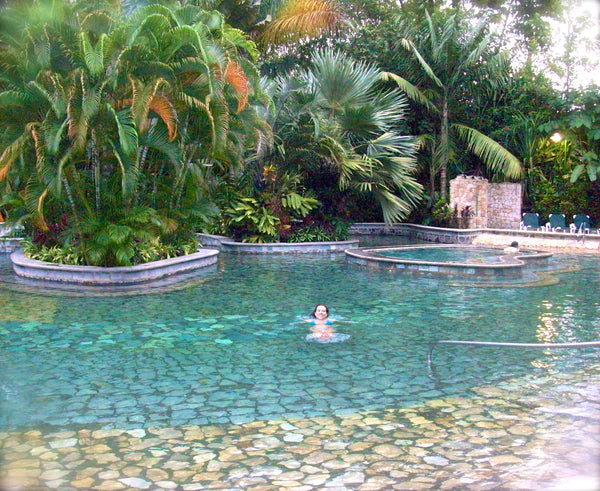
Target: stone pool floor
[(534, 434)]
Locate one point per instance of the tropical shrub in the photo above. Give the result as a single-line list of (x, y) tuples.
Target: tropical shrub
[(105, 117), (51, 254), (579, 128), (265, 210), (339, 125), (137, 237), (313, 230)]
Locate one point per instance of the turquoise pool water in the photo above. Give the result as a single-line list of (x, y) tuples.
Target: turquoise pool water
[(231, 346), (487, 255)]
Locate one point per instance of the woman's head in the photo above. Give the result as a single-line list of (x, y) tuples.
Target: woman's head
[(320, 311)]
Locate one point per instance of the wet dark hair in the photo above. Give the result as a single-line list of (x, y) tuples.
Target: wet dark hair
[(514, 243), (320, 305)]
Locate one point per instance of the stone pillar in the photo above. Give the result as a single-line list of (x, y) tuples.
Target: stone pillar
[(480, 204), (504, 205), (469, 197)]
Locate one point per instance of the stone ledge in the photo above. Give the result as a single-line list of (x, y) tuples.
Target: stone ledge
[(225, 244), (509, 264), (418, 232), (9, 244), (492, 236), (97, 275)]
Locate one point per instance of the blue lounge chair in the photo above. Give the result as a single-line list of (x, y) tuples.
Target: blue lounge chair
[(556, 223), (530, 221), (581, 224)]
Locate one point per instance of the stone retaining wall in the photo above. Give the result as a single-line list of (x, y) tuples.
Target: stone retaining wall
[(551, 240), (417, 232), (225, 244), (96, 275), (9, 245)]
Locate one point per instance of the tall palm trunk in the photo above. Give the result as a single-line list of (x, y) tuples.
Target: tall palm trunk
[(444, 138), (96, 165)]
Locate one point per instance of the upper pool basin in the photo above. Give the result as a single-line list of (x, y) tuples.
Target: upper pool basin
[(449, 259)]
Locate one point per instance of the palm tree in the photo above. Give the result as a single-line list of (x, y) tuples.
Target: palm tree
[(106, 116), (337, 121), (271, 22), (294, 20), (450, 62)]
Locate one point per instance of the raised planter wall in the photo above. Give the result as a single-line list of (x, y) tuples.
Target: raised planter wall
[(225, 244), (417, 232), (96, 275), (9, 244)]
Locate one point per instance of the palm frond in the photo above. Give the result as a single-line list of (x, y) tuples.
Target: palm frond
[(128, 136), (78, 124), (497, 158), (394, 208), (240, 40), (40, 210), (54, 133), (10, 153), (158, 140), (97, 22), (181, 36), (235, 76), (411, 91), (303, 18), (409, 45), (129, 171), (19, 98), (93, 56), (390, 143), (166, 111)]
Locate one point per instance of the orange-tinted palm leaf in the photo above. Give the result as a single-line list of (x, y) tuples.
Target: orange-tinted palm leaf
[(4, 170), (235, 76), (12, 152), (303, 18), (163, 107), (40, 208)]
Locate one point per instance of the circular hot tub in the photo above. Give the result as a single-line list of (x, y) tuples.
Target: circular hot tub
[(449, 259)]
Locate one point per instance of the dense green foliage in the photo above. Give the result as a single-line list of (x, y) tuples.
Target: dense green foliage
[(110, 124), (128, 126), (342, 127), (515, 105)]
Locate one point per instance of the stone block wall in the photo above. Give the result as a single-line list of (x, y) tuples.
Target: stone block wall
[(484, 204), (504, 205)]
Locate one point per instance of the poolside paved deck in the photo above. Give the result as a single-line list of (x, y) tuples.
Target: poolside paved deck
[(563, 242), (523, 434)]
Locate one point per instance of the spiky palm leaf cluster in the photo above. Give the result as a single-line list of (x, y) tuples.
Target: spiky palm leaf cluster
[(339, 114)]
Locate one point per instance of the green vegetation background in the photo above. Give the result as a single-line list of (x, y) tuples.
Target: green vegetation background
[(128, 126)]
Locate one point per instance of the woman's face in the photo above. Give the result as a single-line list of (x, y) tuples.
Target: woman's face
[(321, 312)]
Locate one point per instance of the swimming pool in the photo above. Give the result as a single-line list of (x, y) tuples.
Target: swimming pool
[(461, 254), (231, 348), (456, 260)]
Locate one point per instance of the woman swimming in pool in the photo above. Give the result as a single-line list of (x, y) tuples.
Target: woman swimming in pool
[(320, 315), (322, 329)]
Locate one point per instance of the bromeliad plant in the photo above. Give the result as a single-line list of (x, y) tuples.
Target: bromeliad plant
[(113, 121), (268, 214)]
